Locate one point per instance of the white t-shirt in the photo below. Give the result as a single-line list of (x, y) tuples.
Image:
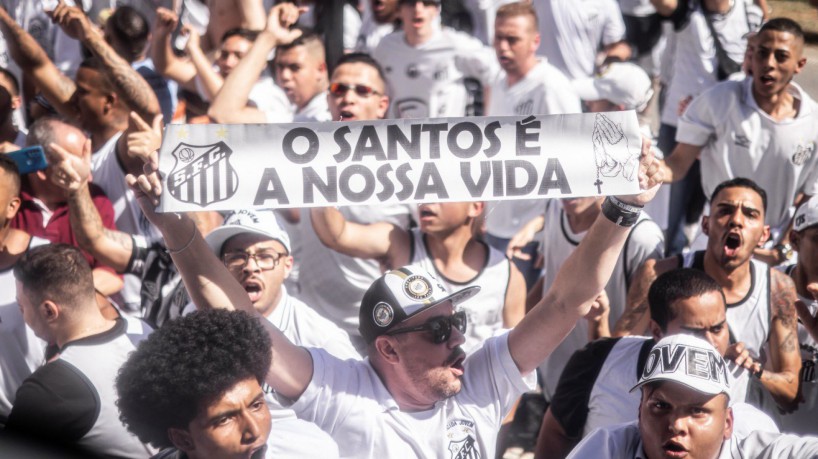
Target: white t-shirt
[(372, 32), (573, 31), (21, 352), (484, 310), (424, 81), (108, 173), (334, 284), (695, 64), (741, 140), (543, 91), (645, 241), (349, 401), (294, 438), (317, 109), (623, 441)]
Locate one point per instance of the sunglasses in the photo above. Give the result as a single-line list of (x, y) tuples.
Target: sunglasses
[(340, 89), (439, 327)]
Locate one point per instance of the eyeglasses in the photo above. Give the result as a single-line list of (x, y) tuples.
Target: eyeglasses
[(340, 89), (265, 260), (439, 327)]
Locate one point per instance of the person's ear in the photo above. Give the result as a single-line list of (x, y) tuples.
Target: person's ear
[(181, 439), (12, 208), (764, 236), (706, 225), (728, 423), (476, 208), (794, 239), (383, 106), (385, 347), (50, 310), (656, 331), (288, 265)]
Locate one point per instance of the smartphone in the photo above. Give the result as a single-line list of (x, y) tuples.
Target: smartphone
[(29, 159)]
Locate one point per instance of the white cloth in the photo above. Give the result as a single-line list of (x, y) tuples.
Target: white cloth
[(484, 310), (349, 401), (265, 95), (21, 352), (294, 438), (741, 140), (333, 284), (424, 81), (317, 109), (645, 241), (638, 8), (543, 91), (483, 13), (624, 442), (572, 31), (695, 61), (371, 32)]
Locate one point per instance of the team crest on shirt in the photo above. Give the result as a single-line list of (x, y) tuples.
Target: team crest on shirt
[(741, 140), (462, 439), (803, 153), (202, 174)]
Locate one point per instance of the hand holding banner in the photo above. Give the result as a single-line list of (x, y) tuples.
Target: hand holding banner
[(225, 167)]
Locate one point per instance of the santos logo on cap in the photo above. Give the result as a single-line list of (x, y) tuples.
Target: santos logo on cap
[(689, 361)]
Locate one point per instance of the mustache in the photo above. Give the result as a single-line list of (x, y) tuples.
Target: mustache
[(456, 354)]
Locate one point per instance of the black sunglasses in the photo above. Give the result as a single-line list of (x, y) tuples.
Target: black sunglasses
[(339, 89), (439, 327)]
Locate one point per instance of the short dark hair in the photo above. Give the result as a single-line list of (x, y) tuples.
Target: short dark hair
[(185, 365), (675, 285), (784, 25), (15, 85), (308, 36), (247, 34), (366, 59), (56, 272), (10, 167), (95, 63), (741, 182), (131, 30)]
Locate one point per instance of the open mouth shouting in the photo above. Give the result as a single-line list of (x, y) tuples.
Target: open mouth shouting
[(732, 244), (253, 288), (674, 449)]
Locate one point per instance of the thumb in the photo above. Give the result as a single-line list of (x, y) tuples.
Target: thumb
[(86, 150)]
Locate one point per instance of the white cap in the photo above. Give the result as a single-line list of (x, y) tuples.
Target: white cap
[(621, 83), (261, 222), (687, 360), (806, 215)]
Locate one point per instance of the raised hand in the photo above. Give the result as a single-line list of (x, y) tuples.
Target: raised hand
[(72, 20), (650, 176), (280, 19), (69, 172), (143, 139)]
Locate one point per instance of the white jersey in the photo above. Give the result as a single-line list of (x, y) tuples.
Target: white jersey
[(695, 64), (424, 81), (624, 442), (741, 140), (572, 31), (317, 109), (749, 319), (645, 241), (349, 401), (372, 32), (109, 174), (21, 352), (334, 284), (484, 310), (543, 91), (295, 438)]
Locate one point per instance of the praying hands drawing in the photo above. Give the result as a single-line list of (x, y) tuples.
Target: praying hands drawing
[(611, 151)]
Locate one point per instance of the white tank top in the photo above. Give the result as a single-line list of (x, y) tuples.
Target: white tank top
[(749, 319), (484, 310)]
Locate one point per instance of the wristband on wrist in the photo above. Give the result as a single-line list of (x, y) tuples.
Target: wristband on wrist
[(620, 213)]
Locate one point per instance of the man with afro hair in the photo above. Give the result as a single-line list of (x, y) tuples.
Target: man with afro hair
[(194, 388)]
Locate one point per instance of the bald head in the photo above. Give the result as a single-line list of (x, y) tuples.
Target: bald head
[(48, 130)]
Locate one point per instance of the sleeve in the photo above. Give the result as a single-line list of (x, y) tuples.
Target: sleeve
[(614, 29), (59, 393), (569, 404), (698, 122), (482, 65), (769, 445), (505, 384)]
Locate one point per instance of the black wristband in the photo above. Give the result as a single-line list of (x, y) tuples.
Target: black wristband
[(620, 213)]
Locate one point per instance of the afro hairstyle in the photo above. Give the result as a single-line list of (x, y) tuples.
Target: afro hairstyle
[(186, 365)]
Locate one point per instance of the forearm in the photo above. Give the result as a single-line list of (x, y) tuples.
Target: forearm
[(111, 248), (665, 7), (232, 98), (599, 328), (106, 282), (211, 81), (134, 90)]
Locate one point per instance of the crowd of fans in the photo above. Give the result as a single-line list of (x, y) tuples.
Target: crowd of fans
[(678, 322)]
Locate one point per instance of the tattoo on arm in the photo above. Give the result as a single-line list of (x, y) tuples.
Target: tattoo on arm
[(782, 301), (121, 239)]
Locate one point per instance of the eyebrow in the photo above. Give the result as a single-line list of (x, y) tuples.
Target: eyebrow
[(232, 412), (685, 327)]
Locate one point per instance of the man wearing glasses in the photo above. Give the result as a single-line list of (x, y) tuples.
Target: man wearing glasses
[(417, 394)]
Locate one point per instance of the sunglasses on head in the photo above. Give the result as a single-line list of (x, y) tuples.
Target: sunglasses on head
[(340, 89), (439, 327)]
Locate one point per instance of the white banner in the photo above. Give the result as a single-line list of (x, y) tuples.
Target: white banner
[(227, 167)]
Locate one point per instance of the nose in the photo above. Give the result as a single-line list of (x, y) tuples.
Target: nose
[(252, 428), (457, 338), (677, 425), (253, 268)]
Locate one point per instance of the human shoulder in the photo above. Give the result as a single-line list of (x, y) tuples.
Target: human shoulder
[(460, 40), (621, 440)]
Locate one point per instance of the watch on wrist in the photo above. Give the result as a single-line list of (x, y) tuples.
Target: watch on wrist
[(784, 251)]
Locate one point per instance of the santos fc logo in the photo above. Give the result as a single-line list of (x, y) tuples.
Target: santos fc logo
[(202, 174)]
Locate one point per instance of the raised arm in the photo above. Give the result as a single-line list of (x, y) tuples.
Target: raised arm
[(380, 241), (166, 62), (785, 357), (134, 90), (211, 286), (33, 60), (230, 104), (635, 318), (580, 279)]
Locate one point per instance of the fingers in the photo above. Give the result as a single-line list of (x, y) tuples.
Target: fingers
[(139, 122), (156, 125)]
